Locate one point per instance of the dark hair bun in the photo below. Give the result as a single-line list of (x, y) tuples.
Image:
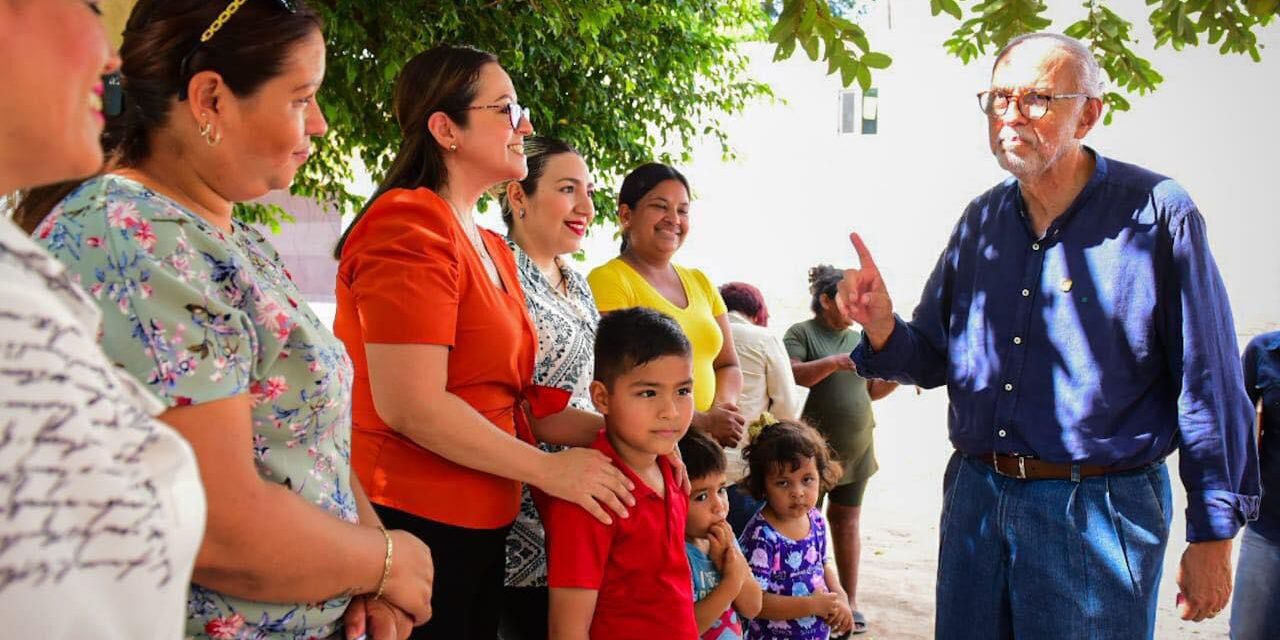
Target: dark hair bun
[(822, 276)]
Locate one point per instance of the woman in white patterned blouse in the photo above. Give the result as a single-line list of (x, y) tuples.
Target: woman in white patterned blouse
[(547, 214), (101, 508)]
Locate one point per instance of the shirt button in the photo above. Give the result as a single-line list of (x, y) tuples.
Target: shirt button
[(1001, 433), (1026, 292), (1017, 339), (1008, 387), (1035, 247)]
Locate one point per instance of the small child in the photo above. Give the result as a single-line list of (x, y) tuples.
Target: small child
[(629, 580), (723, 586), (786, 542)]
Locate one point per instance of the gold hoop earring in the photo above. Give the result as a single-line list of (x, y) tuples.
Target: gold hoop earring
[(210, 135)]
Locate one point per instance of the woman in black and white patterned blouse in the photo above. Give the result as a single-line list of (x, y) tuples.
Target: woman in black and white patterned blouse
[(547, 215)]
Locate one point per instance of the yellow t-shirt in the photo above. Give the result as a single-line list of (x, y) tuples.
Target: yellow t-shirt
[(617, 286)]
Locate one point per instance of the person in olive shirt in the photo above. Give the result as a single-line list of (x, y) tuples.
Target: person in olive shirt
[(839, 406)]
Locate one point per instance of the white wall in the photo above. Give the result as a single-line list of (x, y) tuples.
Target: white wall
[(798, 187)]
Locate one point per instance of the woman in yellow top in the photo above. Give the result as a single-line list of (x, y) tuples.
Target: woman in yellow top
[(653, 210)]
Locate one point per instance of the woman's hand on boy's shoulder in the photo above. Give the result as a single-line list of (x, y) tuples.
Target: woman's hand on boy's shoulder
[(588, 478)]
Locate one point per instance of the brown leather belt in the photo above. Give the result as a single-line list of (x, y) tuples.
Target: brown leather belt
[(1025, 468)]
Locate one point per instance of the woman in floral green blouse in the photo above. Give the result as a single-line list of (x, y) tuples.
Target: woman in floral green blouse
[(197, 306)]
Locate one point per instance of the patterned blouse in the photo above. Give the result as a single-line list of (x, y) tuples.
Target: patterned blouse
[(100, 505), (197, 314), (566, 355), (787, 567)]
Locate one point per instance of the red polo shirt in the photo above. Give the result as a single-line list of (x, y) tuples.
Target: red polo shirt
[(637, 564)]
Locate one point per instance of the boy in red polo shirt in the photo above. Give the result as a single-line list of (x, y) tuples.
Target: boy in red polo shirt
[(630, 579)]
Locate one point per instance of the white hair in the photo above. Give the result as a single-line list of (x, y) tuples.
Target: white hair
[(1087, 70)]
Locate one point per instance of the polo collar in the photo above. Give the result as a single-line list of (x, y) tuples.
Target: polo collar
[(642, 490)]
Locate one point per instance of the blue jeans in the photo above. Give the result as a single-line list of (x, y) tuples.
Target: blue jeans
[(1048, 559), (1255, 608)]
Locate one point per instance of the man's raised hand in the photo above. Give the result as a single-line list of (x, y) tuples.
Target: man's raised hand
[(863, 298)]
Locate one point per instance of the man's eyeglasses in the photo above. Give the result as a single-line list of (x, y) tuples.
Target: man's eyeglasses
[(1032, 104), (515, 113), (214, 27)]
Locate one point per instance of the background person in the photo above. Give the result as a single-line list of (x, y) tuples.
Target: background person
[(1255, 606), (767, 384), (653, 211)]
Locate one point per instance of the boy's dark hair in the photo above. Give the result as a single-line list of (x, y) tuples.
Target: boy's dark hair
[(629, 338), (702, 456), (787, 444)]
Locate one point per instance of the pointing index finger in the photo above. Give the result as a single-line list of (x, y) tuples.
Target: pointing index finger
[(864, 255)]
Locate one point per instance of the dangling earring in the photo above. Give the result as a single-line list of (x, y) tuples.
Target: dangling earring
[(453, 147), (522, 212)]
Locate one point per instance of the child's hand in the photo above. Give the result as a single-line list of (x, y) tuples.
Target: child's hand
[(733, 564), (825, 604), (720, 543), (842, 620)]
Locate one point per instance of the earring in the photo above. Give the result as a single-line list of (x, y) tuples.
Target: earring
[(522, 212), (211, 136), (453, 147)]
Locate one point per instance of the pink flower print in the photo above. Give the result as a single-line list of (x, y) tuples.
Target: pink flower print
[(811, 555), (275, 387), (122, 215), (282, 326), (269, 389), (97, 289), (93, 241), (145, 235), (226, 628)]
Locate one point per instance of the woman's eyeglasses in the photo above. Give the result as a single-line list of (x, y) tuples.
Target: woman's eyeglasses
[(515, 113)]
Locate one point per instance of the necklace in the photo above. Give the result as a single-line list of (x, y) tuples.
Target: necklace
[(472, 231)]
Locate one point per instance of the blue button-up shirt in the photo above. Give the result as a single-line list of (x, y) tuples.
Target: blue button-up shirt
[(1262, 381), (1108, 341)]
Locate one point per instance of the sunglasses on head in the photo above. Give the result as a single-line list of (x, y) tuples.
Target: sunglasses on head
[(113, 83)]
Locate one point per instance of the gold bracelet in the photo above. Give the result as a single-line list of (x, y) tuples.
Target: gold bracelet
[(386, 564)]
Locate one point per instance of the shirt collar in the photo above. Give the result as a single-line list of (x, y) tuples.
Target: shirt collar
[(642, 490), (1271, 341), (1100, 171)]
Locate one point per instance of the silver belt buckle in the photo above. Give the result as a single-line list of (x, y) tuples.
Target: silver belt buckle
[(1022, 465)]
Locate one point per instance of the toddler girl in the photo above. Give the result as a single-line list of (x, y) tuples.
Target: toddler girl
[(789, 464)]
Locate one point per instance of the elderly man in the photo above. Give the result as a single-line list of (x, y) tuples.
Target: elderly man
[(1083, 332)]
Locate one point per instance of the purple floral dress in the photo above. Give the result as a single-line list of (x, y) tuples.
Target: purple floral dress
[(197, 314), (787, 567)]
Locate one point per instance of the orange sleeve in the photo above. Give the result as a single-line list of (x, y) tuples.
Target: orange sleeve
[(404, 272)]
